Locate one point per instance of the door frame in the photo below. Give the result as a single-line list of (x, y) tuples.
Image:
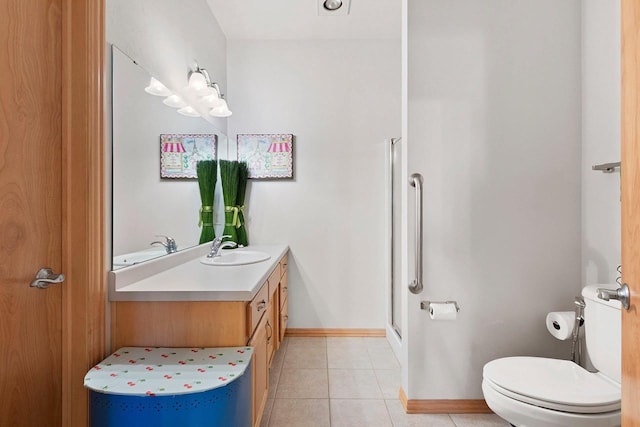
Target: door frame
[(83, 201)]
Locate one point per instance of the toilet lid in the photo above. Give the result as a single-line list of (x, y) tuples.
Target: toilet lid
[(553, 383)]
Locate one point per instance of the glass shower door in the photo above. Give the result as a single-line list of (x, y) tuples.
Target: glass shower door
[(396, 212)]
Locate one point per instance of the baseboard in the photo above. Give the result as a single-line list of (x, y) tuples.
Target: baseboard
[(315, 332), (444, 406)]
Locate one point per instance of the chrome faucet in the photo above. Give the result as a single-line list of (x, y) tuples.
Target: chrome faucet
[(217, 245), (169, 244)]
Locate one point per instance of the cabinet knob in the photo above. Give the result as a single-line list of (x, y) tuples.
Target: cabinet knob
[(262, 305)]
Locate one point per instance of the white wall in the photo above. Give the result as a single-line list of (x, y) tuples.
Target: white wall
[(600, 140), (165, 38), (341, 100), (493, 123)]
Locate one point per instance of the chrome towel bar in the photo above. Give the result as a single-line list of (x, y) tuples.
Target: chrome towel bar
[(416, 181)]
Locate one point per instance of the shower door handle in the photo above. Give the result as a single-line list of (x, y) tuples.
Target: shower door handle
[(416, 181)]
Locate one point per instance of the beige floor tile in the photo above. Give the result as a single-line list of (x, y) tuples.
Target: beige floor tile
[(377, 342), (383, 358), (359, 413), (264, 422), (278, 358), (348, 358), (300, 413), (303, 384), (303, 357), (307, 342), (346, 342), (389, 382), (478, 420), (284, 343), (274, 379), (402, 419), (353, 384)]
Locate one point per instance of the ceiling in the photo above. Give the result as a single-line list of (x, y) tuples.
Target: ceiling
[(299, 19)]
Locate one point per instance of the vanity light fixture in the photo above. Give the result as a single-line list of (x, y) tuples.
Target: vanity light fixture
[(212, 101), (211, 95), (199, 84), (221, 111), (174, 101), (157, 88), (189, 111)]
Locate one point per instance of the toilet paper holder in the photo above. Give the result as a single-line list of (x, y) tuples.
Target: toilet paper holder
[(424, 305)]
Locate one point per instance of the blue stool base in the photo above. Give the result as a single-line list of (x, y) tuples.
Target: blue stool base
[(228, 406)]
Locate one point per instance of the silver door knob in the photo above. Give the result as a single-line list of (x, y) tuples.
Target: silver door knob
[(45, 278), (621, 294)]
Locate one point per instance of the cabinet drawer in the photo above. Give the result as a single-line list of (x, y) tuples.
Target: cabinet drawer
[(257, 307), (284, 289)]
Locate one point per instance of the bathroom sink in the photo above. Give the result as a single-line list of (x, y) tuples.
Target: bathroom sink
[(136, 257), (235, 257)]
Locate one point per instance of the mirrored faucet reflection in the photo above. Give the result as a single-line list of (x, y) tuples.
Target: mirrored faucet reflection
[(169, 244)]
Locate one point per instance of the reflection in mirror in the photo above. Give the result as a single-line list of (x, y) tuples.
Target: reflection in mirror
[(152, 216)]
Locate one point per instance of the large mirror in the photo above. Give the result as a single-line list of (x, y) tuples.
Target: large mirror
[(145, 205)]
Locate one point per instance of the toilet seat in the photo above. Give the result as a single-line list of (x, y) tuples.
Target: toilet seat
[(554, 384)]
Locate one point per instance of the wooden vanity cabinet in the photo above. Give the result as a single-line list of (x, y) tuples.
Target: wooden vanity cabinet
[(259, 323)]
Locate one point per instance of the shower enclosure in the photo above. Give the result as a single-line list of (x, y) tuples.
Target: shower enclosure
[(395, 213)]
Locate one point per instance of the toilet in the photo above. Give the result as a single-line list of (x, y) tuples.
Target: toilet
[(541, 392)]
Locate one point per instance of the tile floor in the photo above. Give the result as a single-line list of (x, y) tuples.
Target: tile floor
[(345, 382)]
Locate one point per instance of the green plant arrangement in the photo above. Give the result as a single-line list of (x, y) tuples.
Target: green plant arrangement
[(243, 176), (229, 177), (207, 172)]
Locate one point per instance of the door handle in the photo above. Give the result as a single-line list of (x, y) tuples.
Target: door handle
[(45, 278), (621, 294)]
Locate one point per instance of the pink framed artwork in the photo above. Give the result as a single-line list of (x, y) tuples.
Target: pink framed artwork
[(179, 154), (268, 156)]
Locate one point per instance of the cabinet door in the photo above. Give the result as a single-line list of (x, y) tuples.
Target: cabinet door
[(284, 318), (260, 370), (272, 330)]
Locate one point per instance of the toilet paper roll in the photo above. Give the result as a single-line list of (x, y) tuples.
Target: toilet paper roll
[(560, 324), (443, 311)]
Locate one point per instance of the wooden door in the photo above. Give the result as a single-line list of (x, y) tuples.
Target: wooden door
[(30, 211), (52, 207), (630, 179)]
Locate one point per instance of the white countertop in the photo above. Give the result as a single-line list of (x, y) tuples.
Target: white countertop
[(182, 277)]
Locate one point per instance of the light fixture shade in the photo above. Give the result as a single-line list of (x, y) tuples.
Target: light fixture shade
[(174, 101), (221, 111), (156, 88), (212, 101), (198, 84), (189, 111)]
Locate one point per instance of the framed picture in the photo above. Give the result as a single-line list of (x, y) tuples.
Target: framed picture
[(269, 156), (179, 154)]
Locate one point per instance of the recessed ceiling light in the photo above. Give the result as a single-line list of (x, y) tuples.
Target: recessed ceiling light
[(332, 4), (333, 7)]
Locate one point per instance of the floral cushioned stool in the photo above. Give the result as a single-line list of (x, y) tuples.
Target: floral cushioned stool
[(158, 386)]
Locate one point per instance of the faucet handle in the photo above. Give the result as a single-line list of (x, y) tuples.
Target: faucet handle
[(219, 239), (167, 238)]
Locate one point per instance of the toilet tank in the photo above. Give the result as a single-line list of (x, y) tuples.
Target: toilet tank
[(603, 329)]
